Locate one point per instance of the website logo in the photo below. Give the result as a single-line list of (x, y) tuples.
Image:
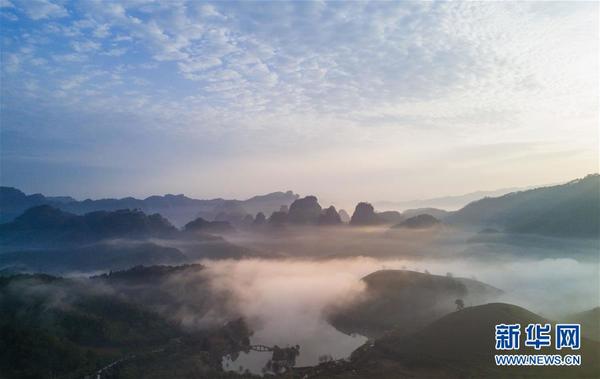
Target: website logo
[(538, 336)]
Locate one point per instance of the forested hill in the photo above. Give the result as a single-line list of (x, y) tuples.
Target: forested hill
[(567, 210), (45, 224), (179, 209)]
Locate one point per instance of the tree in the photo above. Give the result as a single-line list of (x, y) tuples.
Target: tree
[(260, 219), (460, 304)]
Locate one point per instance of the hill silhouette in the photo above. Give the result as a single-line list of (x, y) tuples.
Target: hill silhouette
[(304, 211), (406, 300), (457, 345), (13, 202), (567, 210), (202, 225), (330, 216), (364, 215), (440, 214), (391, 217), (47, 239), (463, 342), (147, 274), (179, 209), (422, 221), (46, 225), (590, 322), (447, 202)]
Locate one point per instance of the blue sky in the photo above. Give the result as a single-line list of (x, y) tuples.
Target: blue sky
[(346, 100)]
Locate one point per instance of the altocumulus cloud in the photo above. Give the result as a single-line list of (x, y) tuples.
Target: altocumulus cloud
[(303, 76)]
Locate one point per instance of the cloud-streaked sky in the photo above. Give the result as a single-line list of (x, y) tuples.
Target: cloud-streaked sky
[(347, 100)]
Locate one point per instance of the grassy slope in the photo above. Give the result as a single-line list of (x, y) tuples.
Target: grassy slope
[(590, 323), (459, 345), (407, 300)]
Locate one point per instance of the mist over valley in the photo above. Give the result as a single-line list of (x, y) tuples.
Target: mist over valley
[(309, 288), (315, 189)]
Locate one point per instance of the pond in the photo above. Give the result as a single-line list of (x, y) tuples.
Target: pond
[(322, 342)]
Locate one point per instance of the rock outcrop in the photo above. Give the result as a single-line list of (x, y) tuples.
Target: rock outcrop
[(305, 211), (364, 214), (260, 219), (330, 216), (344, 216)]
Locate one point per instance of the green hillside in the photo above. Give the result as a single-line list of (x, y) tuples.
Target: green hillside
[(405, 300), (590, 322), (52, 327), (567, 210), (459, 345)]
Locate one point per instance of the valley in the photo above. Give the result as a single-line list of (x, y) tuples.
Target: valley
[(123, 294)]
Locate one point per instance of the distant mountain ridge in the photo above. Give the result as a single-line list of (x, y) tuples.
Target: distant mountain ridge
[(446, 202), (45, 225), (179, 209), (567, 210), (47, 239)]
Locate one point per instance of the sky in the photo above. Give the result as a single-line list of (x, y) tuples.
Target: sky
[(349, 101)]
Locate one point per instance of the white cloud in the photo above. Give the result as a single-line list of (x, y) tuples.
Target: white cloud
[(38, 61), (9, 16), (43, 9), (69, 58), (324, 74), (6, 4), (73, 82), (208, 10), (198, 64), (102, 31), (355, 60), (12, 63), (85, 46), (117, 52)]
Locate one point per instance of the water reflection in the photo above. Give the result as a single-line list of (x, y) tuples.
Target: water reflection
[(328, 345)]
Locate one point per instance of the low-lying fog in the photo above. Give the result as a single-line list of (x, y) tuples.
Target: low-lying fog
[(285, 296), (285, 301)]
